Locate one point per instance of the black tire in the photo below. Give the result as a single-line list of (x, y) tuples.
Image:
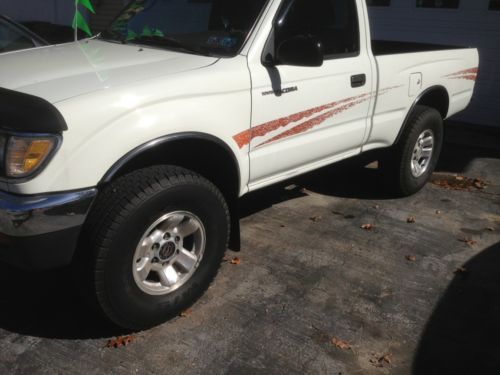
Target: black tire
[(397, 163), (121, 214)]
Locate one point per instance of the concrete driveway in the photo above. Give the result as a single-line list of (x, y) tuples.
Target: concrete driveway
[(313, 292)]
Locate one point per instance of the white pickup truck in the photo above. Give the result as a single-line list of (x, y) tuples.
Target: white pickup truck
[(125, 154)]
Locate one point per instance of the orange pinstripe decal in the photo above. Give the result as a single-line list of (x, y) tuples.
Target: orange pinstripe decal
[(245, 137), (468, 74)]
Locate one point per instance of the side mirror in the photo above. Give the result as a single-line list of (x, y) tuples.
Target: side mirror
[(300, 50)]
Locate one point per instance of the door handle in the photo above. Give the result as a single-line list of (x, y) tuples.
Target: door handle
[(358, 80)]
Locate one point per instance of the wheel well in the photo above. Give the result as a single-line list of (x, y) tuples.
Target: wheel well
[(200, 153), (203, 154), (437, 98)]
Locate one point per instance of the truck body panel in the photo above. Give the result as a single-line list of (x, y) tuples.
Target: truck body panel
[(276, 119), (66, 71), (149, 93), (148, 110), (453, 69), (302, 116)]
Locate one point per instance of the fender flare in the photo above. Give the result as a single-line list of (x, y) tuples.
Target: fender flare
[(415, 103), (162, 141)]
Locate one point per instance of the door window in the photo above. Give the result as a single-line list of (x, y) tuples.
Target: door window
[(333, 22)]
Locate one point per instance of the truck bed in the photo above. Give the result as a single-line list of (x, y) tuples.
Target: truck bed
[(405, 71), (388, 47)]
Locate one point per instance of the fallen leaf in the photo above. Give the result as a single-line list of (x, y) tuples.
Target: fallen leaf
[(185, 313), (315, 219), (459, 183), (468, 241), (411, 258), (343, 345), (119, 341), (479, 184), (411, 220), (387, 358), (236, 261), (381, 360), (367, 226)]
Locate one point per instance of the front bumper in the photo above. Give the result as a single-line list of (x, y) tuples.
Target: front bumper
[(41, 231)]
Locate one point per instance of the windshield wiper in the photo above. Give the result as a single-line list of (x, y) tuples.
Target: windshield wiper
[(162, 41)]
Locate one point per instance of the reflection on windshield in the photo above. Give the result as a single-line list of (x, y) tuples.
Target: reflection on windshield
[(200, 26), (12, 40)]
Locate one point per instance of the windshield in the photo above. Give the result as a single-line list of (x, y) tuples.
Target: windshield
[(212, 27), (12, 39)]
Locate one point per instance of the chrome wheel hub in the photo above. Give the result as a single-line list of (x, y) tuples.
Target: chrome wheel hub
[(422, 153), (169, 253)]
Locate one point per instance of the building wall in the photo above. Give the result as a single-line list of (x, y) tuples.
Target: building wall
[(61, 11), (470, 25), (106, 11), (54, 11)]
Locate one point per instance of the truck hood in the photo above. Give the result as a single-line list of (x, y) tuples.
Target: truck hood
[(61, 72)]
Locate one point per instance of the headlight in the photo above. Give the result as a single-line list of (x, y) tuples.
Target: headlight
[(24, 155)]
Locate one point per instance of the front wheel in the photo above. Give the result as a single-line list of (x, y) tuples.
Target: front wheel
[(157, 237), (410, 163)]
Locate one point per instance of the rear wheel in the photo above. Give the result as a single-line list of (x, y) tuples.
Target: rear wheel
[(157, 237), (410, 163)]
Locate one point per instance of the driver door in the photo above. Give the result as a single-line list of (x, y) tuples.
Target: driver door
[(304, 117)]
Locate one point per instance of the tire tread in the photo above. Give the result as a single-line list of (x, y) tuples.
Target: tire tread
[(115, 203), (393, 164)]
